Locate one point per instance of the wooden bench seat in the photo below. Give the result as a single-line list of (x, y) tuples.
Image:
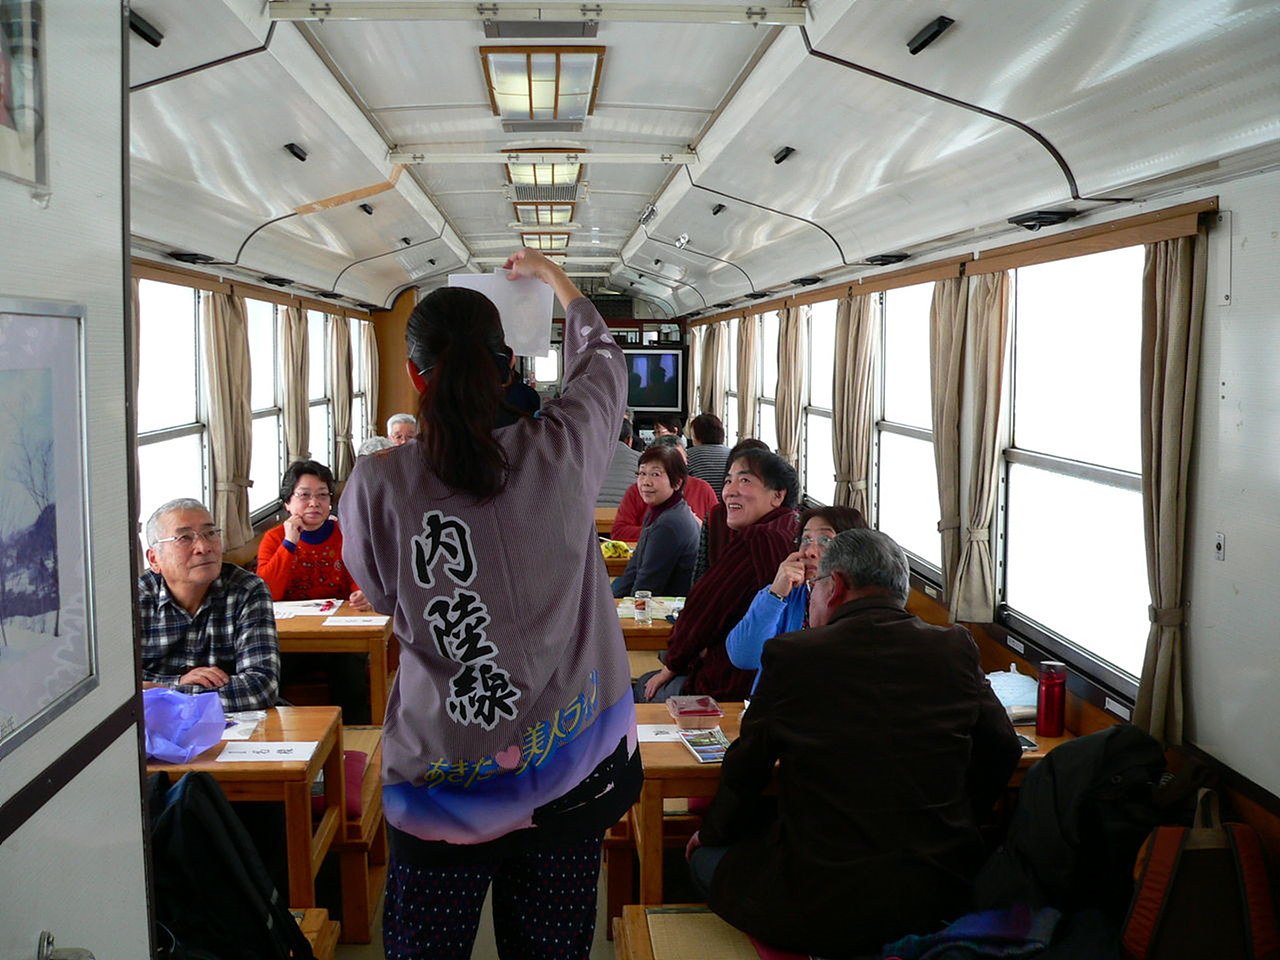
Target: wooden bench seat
[(320, 931), (362, 849), (685, 932)]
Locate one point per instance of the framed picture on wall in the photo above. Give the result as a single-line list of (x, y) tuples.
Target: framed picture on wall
[(22, 121), (48, 656)]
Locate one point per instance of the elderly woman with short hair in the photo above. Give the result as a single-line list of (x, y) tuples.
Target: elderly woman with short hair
[(760, 494), (663, 561)]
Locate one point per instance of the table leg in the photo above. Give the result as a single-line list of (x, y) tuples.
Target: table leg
[(297, 833), (647, 821), (378, 682)]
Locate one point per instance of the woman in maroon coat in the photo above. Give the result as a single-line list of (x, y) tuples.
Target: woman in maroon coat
[(760, 495)]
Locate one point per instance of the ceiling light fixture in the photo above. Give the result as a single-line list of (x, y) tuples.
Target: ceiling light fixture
[(1043, 218), (144, 29), (647, 215), (542, 84), (783, 153), (297, 151), (682, 241), (928, 33)]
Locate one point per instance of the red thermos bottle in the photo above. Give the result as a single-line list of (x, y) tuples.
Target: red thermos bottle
[(1051, 699)]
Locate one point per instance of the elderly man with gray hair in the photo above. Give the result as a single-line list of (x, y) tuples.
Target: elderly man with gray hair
[(888, 744), (401, 428), (206, 625)]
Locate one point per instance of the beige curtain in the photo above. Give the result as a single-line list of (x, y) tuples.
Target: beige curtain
[(852, 418), (226, 339), (370, 357), (748, 338), (692, 389), (1172, 310), (793, 324), (340, 380), (973, 589), (715, 370), (297, 426), (947, 320)]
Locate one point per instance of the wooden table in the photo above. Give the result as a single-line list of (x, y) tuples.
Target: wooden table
[(310, 635), (290, 782), (670, 770), (604, 519), (651, 637)]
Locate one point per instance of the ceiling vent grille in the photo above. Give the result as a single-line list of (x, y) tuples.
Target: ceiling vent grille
[(530, 193), (542, 126), (614, 308)]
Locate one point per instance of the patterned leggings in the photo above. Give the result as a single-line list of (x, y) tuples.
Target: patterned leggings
[(544, 905)]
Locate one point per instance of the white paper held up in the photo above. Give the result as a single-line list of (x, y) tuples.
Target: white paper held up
[(524, 305)]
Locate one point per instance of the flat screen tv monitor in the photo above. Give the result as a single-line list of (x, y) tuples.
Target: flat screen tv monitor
[(655, 379)]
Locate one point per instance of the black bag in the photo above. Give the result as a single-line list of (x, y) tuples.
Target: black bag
[(214, 898)]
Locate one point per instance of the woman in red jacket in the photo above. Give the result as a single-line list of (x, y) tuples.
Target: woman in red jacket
[(302, 560)]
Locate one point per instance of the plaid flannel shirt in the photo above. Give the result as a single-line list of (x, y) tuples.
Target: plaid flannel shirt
[(234, 629)]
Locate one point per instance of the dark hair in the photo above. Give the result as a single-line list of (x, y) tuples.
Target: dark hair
[(454, 338), (624, 433), (671, 421), (749, 443), (304, 468), (668, 440), (839, 518), (774, 472), (669, 459), (707, 428)]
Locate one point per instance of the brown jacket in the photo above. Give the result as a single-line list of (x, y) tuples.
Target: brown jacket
[(886, 736)]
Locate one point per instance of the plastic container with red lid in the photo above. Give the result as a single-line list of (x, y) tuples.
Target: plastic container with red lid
[(695, 713)]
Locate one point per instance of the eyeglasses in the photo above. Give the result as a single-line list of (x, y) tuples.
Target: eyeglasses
[(810, 583), (188, 540), (324, 496), (651, 474), (821, 540)]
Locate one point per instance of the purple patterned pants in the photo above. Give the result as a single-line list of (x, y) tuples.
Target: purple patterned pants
[(544, 905)]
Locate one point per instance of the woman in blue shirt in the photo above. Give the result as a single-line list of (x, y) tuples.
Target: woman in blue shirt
[(783, 605)]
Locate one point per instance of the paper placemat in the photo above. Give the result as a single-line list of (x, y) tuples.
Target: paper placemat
[(273, 752), (657, 732), (375, 621)]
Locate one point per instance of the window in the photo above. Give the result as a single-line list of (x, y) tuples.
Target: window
[(546, 368), (906, 478), (172, 438), (1074, 555), (360, 431), (819, 459), (766, 421), (731, 382), (268, 463), (320, 437)]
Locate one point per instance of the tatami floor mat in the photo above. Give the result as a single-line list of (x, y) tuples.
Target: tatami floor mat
[(679, 933)]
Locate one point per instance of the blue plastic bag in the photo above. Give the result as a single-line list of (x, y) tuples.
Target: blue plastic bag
[(180, 726)]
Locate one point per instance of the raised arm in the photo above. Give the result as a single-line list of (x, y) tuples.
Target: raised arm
[(530, 263)]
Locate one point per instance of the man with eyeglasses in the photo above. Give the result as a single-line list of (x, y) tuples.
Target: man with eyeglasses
[(206, 625), (887, 743)]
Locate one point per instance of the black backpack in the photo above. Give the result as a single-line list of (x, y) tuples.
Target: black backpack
[(214, 898), (1082, 813)]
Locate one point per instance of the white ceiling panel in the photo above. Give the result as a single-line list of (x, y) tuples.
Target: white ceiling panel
[(188, 40)]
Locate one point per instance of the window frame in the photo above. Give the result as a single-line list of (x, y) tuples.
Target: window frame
[(808, 408), (199, 426), (277, 409)]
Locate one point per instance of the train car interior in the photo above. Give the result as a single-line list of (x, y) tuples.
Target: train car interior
[(1004, 276)]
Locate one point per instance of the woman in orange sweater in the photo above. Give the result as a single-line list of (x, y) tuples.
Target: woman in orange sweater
[(302, 560)]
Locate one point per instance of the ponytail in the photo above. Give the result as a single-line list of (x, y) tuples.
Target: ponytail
[(454, 337)]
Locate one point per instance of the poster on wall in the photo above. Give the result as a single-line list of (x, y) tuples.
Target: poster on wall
[(22, 148), (47, 644)]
